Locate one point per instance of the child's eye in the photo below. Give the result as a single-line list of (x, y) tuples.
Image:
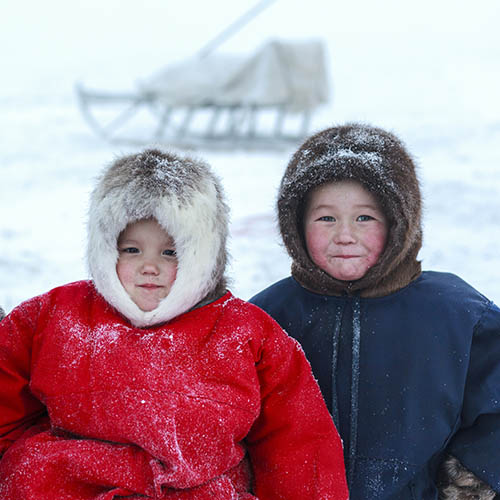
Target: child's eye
[(327, 218), (129, 250), (169, 253), (364, 218)]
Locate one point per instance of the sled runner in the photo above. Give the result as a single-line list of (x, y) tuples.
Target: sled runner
[(219, 100)]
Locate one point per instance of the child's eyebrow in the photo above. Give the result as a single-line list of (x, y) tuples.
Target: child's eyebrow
[(169, 240), (128, 241), (367, 205), (323, 205), (328, 206)]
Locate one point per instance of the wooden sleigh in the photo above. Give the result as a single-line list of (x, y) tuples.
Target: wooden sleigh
[(217, 100)]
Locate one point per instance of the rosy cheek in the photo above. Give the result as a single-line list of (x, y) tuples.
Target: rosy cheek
[(315, 240), (170, 274), (173, 275), (123, 272), (318, 255), (377, 245)]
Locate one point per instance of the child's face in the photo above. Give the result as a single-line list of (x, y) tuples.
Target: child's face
[(345, 229), (147, 263)]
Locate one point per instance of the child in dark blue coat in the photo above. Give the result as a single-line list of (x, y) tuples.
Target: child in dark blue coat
[(408, 360)]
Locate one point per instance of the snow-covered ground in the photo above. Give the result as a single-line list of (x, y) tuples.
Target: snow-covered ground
[(428, 71)]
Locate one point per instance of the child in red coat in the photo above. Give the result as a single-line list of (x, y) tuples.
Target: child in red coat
[(152, 380)]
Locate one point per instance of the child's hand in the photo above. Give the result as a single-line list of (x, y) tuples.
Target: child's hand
[(458, 483)]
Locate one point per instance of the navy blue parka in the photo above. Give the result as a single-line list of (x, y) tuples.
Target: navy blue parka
[(409, 377), (408, 361)]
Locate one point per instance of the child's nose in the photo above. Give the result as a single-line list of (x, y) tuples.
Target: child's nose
[(344, 234), (149, 266)]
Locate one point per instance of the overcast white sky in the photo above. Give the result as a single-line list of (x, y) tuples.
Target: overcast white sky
[(61, 33), (427, 70)]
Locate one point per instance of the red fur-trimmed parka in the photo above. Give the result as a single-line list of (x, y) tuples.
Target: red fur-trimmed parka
[(204, 397)]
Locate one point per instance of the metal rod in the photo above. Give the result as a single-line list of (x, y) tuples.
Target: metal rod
[(234, 27)]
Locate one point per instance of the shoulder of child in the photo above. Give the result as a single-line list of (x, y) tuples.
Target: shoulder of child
[(257, 319), (249, 312), (31, 306), (451, 284), (278, 292)]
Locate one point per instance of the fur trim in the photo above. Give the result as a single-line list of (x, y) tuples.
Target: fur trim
[(379, 161), (2, 314), (458, 483), (187, 200)]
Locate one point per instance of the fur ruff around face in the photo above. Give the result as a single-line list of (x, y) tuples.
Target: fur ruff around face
[(379, 161), (187, 200)]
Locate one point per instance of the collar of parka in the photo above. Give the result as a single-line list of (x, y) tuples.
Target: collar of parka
[(187, 200), (379, 161)]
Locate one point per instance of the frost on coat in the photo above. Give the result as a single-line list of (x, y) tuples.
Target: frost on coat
[(202, 397), (407, 360), (166, 412)]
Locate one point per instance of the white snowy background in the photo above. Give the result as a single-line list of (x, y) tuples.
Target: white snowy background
[(428, 71)]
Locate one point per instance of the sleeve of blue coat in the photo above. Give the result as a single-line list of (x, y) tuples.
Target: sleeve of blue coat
[(477, 443)]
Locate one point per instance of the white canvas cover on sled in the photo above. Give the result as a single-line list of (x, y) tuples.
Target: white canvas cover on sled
[(291, 74)]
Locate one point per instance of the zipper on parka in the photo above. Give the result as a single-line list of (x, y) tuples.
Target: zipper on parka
[(355, 337)]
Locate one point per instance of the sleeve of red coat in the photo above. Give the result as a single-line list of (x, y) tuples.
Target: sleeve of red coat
[(19, 409), (295, 450)]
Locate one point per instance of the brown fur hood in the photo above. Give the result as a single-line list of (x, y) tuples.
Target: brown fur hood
[(187, 200), (379, 161)]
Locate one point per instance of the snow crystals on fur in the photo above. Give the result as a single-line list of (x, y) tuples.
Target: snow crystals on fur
[(379, 161), (187, 200)]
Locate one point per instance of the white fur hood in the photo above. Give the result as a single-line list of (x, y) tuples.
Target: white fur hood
[(187, 200)]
